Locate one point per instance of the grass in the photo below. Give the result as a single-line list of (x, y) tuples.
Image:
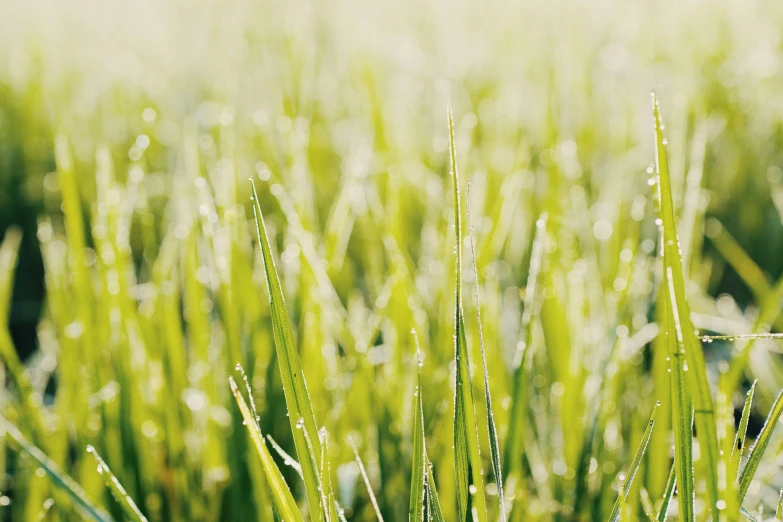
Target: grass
[(407, 311)]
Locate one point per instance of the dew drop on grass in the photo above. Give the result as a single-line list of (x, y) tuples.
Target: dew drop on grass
[(473, 490)]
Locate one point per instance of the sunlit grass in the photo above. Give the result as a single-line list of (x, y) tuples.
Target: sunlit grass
[(554, 303)]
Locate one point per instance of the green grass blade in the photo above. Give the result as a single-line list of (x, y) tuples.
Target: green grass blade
[(754, 459), (433, 501), (688, 352), (634, 468), (494, 446), (419, 464), (284, 500), (739, 440), (59, 479), (117, 490), (469, 480), (779, 510), (300, 410), (671, 482)]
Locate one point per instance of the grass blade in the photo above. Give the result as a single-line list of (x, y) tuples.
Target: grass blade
[(494, 446), (300, 412), (284, 500), (779, 511), (688, 353), (60, 479), (117, 490), (671, 482), (469, 480), (419, 464), (634, 468), (739, 440), (754, 459), (366, 479), (433, 502)]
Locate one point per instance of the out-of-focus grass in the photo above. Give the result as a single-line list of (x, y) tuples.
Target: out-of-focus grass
[(128, 132)]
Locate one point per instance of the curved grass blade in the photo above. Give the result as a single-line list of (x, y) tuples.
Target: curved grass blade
[(494, 446), (284, 500), (117, 491), (300, 412), (754, 459), (634, 468), (59, 479), (469, 480), (419, 464), (688, 352)]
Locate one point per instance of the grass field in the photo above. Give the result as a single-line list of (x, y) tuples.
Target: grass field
[(375, 261)]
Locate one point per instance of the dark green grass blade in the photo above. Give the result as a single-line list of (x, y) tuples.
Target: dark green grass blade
[(59, 479), (494, 446), (297, 400), (671, 482), (419, 464), (283, 499), (754, 459), (688, 354), (127, 504), (634, 468), (469, 482)]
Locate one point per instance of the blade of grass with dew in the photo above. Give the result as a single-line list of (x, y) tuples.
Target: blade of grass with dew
[(117, 490), (703, 410), (284, 500), (634, 468), (59, 479), (739, 440), (754, 459), (433, 501), (494, 446), (419, 464), (300, 411), (367, 484), (470, 483)]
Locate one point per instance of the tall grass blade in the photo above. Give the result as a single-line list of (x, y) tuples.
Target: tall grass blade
[(284, 500), (779, 510), (469, 481), (634, 468), (494, 446), (757, 451), (687, 354), (117, 490), (300, 412), (60, 479)]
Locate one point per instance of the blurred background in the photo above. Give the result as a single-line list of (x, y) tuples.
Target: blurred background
[(341, 106), (378, 75)]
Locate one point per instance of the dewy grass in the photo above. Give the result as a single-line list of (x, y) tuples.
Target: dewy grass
[(160, 282)]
